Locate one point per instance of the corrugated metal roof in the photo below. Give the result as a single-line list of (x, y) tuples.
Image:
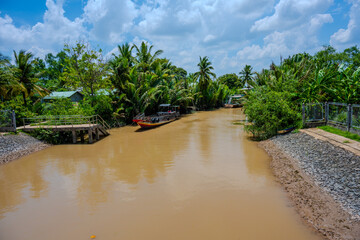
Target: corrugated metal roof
[(65, 94)]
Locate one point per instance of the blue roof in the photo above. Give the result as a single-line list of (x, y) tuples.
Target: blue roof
[(65, 94)]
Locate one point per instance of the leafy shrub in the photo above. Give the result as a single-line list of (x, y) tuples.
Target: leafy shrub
[(64, 106), (270, 111), (102, 106), (21, 111), (52, 137)]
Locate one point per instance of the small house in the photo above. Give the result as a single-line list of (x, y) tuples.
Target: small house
[(74, 96)]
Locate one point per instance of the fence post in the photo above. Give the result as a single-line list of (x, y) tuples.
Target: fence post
[(303, 114), (13, 120), (326, 112), (349, 115)]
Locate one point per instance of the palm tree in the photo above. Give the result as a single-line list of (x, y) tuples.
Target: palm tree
[(246, 76), (5, 77), (144, 57), (205, 72), (204, 75), (25, 76)]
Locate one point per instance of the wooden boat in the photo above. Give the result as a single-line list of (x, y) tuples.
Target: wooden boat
[(139, 118), (146, 124), (230, 105), (168, 114), (234, 101)]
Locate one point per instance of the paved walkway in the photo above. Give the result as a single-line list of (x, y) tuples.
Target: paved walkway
[(340, 141)]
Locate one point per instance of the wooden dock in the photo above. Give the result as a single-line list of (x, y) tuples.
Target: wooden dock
[(93, 126)]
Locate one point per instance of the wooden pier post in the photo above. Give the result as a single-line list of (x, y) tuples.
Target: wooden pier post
[(82, 133), (97, 134), (74, 136), (90, 135)]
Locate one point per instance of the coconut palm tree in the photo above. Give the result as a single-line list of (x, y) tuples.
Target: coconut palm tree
[(204, 76), (144, 57), (6, 83), (246, 76), (25, 76)]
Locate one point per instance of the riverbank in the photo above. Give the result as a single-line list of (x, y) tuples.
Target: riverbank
[(322, 180), (13, 147)]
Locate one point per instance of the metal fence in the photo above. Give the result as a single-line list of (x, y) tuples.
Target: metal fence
[(62, 121), (7, 121), (341, 115)]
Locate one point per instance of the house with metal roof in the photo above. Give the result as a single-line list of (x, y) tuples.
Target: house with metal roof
[(74, 96)]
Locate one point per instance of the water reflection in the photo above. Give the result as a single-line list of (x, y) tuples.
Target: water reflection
[(16, 177), (196, 178)]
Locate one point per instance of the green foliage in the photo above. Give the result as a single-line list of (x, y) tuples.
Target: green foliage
[(52, 137), (64, 106), (25, 76), (231, 80), (21, 111), (84, 69), (246, 76), (337, 131), (269, 112)]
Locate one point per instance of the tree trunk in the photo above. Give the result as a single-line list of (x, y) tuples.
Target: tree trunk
[(24, 97)]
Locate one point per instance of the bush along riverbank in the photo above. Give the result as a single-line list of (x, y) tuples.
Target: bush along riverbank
[(322, 181), (14, 146)]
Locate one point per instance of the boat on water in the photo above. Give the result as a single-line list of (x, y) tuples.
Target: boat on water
[(232, 105), (166, 115), (234, 101)]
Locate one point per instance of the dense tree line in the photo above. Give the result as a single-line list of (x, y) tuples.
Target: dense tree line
[(275, 101), (136, 78)]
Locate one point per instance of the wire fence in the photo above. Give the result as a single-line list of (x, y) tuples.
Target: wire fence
[(341, 115), (7, 121)]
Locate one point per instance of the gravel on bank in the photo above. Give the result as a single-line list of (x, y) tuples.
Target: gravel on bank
[(322, 180), (13, 147)]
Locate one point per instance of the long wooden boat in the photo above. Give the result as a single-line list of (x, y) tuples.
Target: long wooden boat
[(229, 105), (234, 101), (147, 125), (139, 118), (168, 115)]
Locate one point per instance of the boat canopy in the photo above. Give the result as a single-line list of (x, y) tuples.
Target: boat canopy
[(164, 105), (237, 96)]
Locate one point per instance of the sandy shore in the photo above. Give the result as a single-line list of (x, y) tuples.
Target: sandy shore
[(321, 208), (13, 147)]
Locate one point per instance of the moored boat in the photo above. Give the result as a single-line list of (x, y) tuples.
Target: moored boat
[(229, 105), (168, 114), (234, 101), (139, 118)]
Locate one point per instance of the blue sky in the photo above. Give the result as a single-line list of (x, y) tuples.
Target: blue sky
[(231, 33)]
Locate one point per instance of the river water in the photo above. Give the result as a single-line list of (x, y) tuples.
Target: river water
[(196, 178)]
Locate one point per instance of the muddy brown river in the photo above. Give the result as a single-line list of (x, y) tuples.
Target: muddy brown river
[(196, 178)]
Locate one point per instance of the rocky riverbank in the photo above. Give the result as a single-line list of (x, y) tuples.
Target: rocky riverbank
[(322, 180), (13, 147)]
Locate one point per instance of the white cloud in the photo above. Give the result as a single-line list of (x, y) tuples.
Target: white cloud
[(276, 44), (289, 13), (351, 35), (231, 33), (110, 19), (51, 33)]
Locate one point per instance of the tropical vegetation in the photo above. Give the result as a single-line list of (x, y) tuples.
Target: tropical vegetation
[(274, 103), (134, 80)]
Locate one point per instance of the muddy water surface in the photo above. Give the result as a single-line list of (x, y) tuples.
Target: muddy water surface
[(196, 178)]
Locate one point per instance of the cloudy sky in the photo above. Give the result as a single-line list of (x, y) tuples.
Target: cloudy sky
[(231, 33)]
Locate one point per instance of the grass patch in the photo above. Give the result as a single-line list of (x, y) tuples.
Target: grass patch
[(346, 141), (350, 135)]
